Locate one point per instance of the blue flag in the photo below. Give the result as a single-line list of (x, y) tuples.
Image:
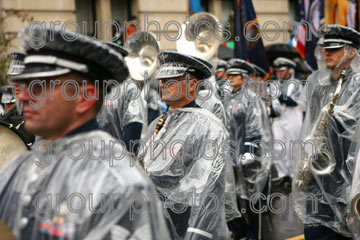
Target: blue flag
[(194, 6), (240, 41), (248, 47)]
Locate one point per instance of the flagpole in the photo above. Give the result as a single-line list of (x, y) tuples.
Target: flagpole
[(237, 29)]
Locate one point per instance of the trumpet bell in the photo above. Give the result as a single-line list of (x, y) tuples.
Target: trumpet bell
[(200, 37), (142, 60)]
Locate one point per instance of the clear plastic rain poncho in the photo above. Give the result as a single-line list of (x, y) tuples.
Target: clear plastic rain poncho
[(354, 199), (188, 162), (153, 99), (122, 106), (269, 91), (287, 126), (222, 88), (208, 100), (271, 101), (83, 186), (323, 174), (311, 82), (250, 135)]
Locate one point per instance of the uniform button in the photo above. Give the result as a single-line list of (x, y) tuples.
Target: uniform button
[(26, 199), (23, 222)]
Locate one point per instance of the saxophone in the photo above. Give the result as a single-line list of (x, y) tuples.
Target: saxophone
[(322, 161), (354, 215)]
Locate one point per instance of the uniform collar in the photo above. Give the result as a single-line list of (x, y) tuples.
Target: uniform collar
[(238, 91), (347, 73), (87, 127), (191, 105)]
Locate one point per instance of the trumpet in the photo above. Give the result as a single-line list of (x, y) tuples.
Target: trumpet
[(322, 162)]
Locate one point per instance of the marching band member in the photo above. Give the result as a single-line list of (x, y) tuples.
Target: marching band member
[(122, 115), (286, 127), (265, 90), (323, 174), (183, 156), (249, 128), (259, 73), (209, 100), (153, 101), (14, 118), (8, 97), (78, 183), (353, 219), (16, 67), (222, 81)]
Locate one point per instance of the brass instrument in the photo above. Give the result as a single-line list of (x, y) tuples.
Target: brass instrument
[(13, 141), (354, 215), (142, 60), (200, 37), (322, 161)]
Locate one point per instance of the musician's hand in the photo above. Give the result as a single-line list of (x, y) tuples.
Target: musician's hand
[(338, 108), (343, 118)]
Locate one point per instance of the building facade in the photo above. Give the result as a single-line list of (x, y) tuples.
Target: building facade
[(157, 16)]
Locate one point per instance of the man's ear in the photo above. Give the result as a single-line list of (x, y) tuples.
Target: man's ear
[(193, 84), (351, 53), (288, 72), (86, 99)]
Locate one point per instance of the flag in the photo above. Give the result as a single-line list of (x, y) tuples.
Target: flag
[(246, 47), (351, 14), (301, 30), (194, 7), (357, 16), (312, 13), (240, 41), (336, 12)]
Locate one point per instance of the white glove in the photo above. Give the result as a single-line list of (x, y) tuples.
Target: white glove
[(247, 158)]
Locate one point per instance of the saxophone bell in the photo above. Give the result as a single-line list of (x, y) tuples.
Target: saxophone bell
[(322, 163), (355, 210), (357, 206)]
